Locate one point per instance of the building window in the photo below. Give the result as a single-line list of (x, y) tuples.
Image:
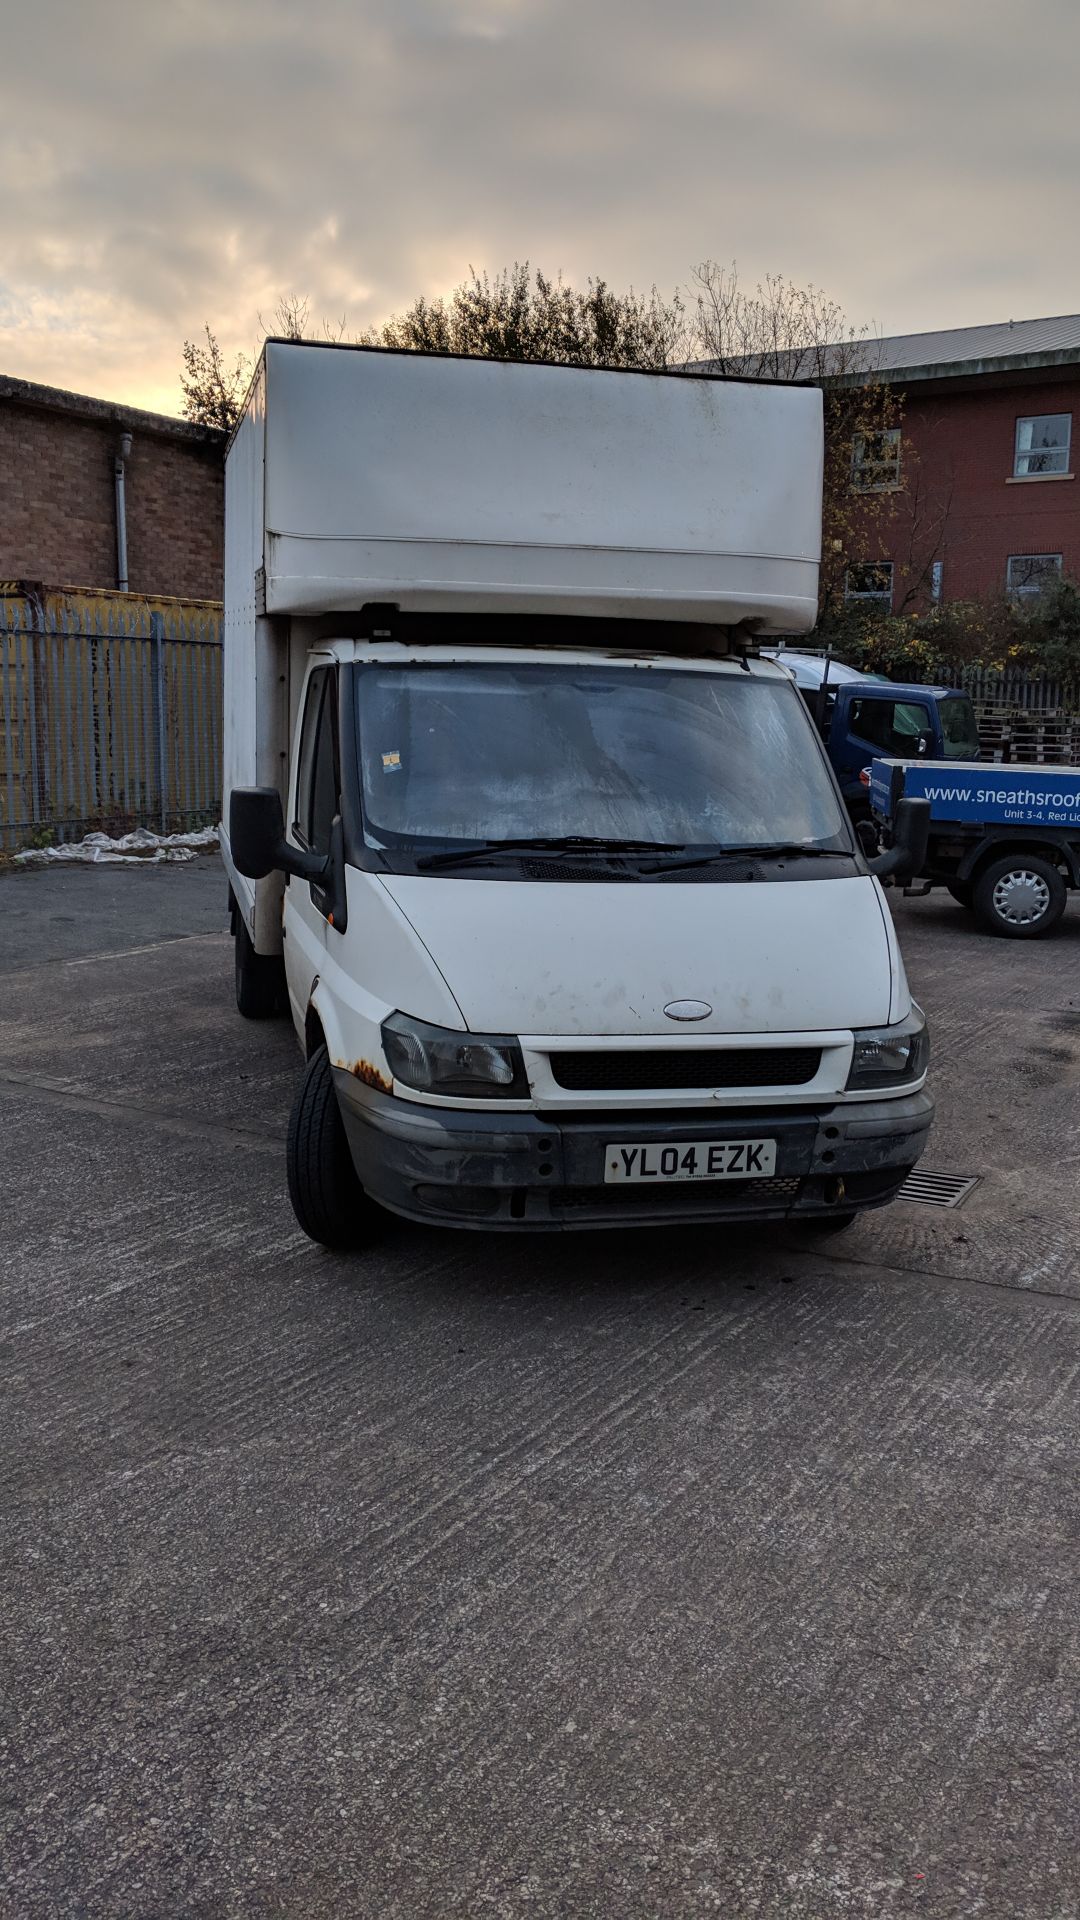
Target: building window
[(1042, 445), (936, 571), (1029, 573), (875, 461), (872, 584)]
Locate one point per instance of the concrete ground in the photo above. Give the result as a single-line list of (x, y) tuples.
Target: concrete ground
[(659, 1574)]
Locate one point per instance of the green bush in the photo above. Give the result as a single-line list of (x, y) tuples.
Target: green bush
[(1039, 635)]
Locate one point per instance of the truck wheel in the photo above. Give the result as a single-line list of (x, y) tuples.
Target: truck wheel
[(260, 987), (327, 1198), (962, 891), (1020, 897)]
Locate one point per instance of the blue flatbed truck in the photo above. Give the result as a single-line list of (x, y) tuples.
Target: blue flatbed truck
[(1004, 840)]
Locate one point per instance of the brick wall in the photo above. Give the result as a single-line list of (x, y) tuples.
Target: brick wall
[(57, 499), (961, 447)]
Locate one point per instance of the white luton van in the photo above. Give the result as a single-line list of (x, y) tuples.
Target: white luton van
[(546, 863)]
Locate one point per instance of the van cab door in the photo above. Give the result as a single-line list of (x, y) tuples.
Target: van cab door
[(883, 723), (314, 804)]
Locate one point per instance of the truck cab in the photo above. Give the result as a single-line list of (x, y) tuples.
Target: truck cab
[(863, 717)]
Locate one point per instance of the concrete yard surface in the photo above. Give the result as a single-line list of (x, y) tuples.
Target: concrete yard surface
[(620, 1575)]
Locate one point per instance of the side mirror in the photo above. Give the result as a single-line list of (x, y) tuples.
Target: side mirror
[(257, 837), (867, 836), (911, 831)]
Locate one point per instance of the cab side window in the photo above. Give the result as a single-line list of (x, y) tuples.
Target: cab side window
[(317, 783), (324, 781), (895, 727)]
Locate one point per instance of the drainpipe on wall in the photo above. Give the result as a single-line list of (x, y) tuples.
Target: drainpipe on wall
[(121, 514)]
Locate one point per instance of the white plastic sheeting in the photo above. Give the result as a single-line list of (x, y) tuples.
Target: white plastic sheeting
[(98, 849)]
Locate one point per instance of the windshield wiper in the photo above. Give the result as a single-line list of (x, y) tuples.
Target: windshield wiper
[(780, 851), (565, 843)]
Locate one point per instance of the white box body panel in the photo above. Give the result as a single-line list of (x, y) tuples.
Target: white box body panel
[(458, 485), (243, 559)]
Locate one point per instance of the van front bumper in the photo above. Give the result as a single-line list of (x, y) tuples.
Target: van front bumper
[(532, 1172)]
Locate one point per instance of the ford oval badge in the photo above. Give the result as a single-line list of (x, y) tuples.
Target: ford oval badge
[(687, 1010)]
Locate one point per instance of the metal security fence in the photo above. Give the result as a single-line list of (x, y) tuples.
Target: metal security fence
[(110, 716), (1022, 689)]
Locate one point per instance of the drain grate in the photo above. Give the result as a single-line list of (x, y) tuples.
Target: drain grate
[(938, 1189)]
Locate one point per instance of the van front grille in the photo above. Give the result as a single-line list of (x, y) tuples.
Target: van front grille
[(628, 1071), (681, 1196)]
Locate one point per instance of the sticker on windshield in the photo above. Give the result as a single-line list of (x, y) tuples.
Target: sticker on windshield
[(391, 763)]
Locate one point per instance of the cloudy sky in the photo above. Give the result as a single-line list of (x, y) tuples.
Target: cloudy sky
[(166, 165)]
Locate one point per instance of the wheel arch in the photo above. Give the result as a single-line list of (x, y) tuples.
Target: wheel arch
[(314, 1036), (1059, 853), (323, 1027)]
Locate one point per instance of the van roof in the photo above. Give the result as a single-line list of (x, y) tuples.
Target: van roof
[(809, 668)]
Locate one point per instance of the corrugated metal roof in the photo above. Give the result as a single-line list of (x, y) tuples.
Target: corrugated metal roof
[(1001, 341), (950, 350)]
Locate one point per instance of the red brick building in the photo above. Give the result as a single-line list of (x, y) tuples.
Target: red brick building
[(983, 467), (61, 508)]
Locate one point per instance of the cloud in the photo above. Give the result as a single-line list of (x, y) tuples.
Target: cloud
[(195, 162)]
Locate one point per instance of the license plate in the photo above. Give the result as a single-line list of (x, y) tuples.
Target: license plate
[(693, 1160)]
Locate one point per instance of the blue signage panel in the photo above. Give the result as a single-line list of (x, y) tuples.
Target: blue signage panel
[(972, 790), (881, 787)]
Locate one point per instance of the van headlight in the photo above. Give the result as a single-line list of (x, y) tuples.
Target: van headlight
[(889, 1056), (487, 1066)]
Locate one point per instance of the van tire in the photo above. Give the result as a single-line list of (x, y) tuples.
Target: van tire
[(1038, 896), (260, 981), (962, 892), (327, 1198)]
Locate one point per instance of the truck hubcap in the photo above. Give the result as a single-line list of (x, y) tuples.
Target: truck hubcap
[(1021, 897)]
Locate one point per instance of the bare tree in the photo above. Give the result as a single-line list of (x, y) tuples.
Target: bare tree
[(779, 331), (920, 528), (856, 520), (213, 390), (290, 321)]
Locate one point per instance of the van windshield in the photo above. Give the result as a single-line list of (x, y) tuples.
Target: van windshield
[(477, 752)]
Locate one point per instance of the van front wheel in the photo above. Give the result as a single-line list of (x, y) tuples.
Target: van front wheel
[(327, 1198)]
